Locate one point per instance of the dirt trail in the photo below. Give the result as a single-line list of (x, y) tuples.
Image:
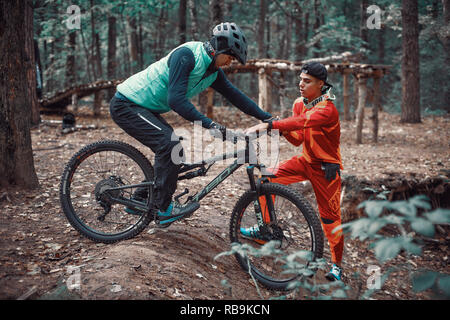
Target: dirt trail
[(41, 252)]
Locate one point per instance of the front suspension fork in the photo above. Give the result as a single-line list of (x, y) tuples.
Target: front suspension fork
[(255, 186)]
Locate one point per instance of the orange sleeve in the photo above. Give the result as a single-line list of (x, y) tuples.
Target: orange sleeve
[(295, 137), (317, 117)]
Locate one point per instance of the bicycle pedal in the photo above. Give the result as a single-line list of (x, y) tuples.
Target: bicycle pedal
[(186, 191)]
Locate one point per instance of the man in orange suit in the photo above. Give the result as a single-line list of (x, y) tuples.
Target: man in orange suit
[(315, 124)]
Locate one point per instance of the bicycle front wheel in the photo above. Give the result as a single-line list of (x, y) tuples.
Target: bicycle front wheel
[(297, 228), (87, 186)]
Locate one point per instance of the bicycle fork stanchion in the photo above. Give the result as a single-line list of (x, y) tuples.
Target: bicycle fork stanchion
[(256, 188)]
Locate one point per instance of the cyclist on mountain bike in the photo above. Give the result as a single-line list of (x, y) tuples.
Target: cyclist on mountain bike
[(168, 84), (315, 123)]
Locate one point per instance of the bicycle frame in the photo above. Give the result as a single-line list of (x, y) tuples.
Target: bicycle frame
[(244, 156)]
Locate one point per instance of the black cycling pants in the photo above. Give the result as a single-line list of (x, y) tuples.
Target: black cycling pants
[(154, 132)]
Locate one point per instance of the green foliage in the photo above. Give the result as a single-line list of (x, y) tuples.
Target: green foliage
[(338, 31), (299, 264), (414, 213)]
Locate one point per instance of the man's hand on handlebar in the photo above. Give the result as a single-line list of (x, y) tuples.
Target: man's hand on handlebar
[(256, 129), (218, 131), (221, 132)]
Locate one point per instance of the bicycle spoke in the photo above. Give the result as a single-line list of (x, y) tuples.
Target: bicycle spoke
[(292, 230), (93, 170)]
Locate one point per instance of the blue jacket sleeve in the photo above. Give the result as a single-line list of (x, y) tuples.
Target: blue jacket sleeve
[(237, 97), (181, 63)]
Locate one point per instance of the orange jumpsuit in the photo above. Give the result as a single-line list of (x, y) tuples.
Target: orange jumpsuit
[(318, 128)]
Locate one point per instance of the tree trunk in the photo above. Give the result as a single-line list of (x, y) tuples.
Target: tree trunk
[(317, 24), (363, 23), (182, 21), (70, 60), (31, 72), (140, 43), (446, 43), (287, 50), (261, 27), (206, 98), (194, 23), (88, 64), (133, 44), (93, 44), (112, 46), (216, 12), (97, 62), (39, 74), (299, 36), (160, 48), (16, 64), (306, 29), (410, 63)]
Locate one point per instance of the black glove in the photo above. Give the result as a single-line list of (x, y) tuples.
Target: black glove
[(330, 170), (218, 131), (269, 121)]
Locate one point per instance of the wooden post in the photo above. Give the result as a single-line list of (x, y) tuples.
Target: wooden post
[(376, 106), (264, 100), (347, 115), (355, 94), (98, 97), (74, 105), (362, 93), (203, 101)]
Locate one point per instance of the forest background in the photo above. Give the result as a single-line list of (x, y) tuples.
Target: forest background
[(83, 41), (80, 42)]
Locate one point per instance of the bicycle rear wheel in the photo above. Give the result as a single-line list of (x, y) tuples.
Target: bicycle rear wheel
[(297, 228), (84, 194)]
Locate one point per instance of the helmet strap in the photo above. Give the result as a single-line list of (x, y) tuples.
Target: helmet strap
[(210, 49)]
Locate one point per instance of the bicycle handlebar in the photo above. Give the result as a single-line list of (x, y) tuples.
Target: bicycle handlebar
[(235, 136)]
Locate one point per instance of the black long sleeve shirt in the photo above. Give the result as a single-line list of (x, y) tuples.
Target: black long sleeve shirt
[(181, 63)]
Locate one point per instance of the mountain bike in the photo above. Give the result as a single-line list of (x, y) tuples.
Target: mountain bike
[(99, 181)]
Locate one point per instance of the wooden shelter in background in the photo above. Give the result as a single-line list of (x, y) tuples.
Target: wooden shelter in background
[(346, 64)]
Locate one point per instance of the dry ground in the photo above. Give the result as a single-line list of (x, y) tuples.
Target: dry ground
[(39, 249)]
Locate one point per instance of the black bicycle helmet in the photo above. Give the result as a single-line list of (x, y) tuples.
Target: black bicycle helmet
[(228, 38)]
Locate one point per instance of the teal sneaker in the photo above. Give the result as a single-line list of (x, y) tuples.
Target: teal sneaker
[(252, 233), (175, 212), (335, 273)]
